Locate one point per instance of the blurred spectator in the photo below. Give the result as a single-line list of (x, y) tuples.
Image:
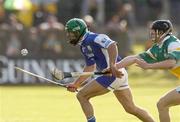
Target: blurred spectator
[(34, 42), (174, 11), (52, 45), (40, 15), (14, 23), (68, 9), (3, 38), (49, 5), (141, 11), (111, 7), (2, 12), (90, 23), (51, 33), (147, 10), (155, 9), (117, 30), (125, 42), (113, 28), (51, 23), (126, 11), (89, 7), (13, 44)]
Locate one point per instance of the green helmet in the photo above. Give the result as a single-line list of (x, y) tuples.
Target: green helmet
[(77, 27)]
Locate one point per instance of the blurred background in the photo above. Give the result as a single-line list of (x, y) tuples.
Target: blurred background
[(38, 25)]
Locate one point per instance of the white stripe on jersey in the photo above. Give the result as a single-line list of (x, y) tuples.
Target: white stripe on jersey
[(105, 52), (150, 54)]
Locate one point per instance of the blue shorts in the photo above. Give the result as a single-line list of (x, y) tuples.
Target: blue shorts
[(113, 83)]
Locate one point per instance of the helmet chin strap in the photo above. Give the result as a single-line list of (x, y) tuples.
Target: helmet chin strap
[(162, 36)]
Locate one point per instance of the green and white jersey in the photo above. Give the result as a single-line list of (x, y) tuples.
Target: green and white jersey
[(169, 48)]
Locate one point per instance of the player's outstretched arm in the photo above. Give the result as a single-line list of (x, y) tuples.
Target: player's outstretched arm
[(127, 61), (167, 64)]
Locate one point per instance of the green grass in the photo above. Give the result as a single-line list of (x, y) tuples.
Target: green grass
[(55, 104)]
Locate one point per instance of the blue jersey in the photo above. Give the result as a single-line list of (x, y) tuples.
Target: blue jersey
[(94, 48)]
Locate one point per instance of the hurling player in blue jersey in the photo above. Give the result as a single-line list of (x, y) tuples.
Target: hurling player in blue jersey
[(100, 53)]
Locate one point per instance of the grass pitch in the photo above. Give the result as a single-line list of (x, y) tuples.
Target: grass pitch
[(55, 104)]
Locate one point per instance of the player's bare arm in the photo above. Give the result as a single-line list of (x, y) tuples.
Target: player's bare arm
[(127, 61), (113, 53), (167, 64)]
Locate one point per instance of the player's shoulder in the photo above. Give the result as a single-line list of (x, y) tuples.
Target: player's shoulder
[(173, 38), (174, 43), (89, 38), (101, 37), (103, 40), (96, 37), (168, 40)]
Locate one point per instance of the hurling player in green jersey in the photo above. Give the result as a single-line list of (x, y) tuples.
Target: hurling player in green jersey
[(163, 54)]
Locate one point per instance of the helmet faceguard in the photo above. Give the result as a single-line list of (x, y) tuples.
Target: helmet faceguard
[(160, 29), (75, 28)]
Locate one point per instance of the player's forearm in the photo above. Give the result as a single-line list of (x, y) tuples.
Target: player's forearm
[(113, 53), (127, 61), (83, 78), (167, 64)]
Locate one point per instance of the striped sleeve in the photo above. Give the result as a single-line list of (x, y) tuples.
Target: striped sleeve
[(103, 41), (174, 50)]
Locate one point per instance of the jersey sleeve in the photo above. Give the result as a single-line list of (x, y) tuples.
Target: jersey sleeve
[(147, 56), (103, 41), (174, 50)]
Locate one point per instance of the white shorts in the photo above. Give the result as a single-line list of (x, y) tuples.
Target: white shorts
[(120, 83), (113, 83), (178, 89)]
